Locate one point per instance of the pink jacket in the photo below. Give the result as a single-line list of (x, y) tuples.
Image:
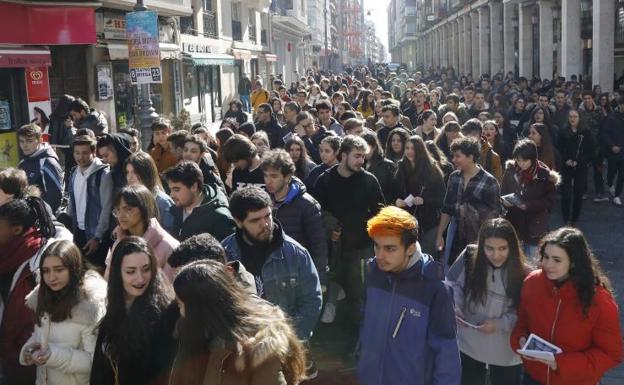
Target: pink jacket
[(157, 238)]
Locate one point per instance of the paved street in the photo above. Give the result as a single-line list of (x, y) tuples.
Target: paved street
[(603, 224)]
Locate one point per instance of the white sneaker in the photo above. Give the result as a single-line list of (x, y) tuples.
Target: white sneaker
[(329, 314), (341, 294), (612, 190), (617, 201)]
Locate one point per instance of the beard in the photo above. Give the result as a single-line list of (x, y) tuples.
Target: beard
[(261, 239)]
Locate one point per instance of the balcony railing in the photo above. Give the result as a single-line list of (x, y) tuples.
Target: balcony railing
[(211, 29), (252, 33), (237, 31)]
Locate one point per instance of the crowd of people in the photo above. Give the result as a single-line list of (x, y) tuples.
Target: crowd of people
[(412, 210)]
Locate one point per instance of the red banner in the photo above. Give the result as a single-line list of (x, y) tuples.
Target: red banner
[(37, 84), (38, 25)]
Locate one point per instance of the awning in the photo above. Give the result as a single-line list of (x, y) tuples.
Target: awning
[(21, 57), (211, 59), (240, 54), (119, 51), (270, 57)]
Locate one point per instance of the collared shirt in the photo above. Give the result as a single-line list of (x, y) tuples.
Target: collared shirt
[(482, 192)]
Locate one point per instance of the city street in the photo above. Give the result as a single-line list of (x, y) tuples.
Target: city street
[(601, 222)]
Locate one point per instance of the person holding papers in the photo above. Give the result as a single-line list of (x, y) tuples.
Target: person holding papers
[(421, 190), (569, 304), (528, 192), (486, 279)]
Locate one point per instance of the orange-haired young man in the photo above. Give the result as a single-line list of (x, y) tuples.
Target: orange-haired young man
[(408, 333)]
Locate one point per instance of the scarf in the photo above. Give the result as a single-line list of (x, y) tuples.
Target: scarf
[(20, 249), (525, 176)]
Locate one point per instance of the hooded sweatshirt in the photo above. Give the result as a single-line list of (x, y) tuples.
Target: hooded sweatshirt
[(96, 122), (121, 143), (45, 172)]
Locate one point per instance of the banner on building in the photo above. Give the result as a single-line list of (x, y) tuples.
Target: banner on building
[(143, 49), (9, 156)]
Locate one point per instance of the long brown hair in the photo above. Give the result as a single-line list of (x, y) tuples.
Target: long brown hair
[(60, 304), (477, 263), (217, 308), (546, 149), (585, 269), (145, 168), (424, 166)]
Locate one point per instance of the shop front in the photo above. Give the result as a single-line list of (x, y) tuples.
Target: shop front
[(202, 78), (122, 101)]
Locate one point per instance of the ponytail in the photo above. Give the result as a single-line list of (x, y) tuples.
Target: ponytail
[(29, 212)]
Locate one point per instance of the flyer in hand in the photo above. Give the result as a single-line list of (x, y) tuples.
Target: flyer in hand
[(537, 347)]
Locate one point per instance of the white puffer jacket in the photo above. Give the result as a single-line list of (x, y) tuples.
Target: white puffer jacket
[(72, 341)]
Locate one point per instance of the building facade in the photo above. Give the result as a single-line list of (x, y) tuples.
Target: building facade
[(402, 32), (291, 38), (543, 38)]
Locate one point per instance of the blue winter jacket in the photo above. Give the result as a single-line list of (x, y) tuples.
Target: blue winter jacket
[(408, 334), (44, 171), (290, 281)]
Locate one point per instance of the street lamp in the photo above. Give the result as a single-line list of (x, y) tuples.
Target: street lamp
[(147, 114)]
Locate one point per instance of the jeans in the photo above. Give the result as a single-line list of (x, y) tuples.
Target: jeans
[(350, 274), (428, 242), (246, 103), (598, 165), (616, 168), (475, 373), (572, 190)]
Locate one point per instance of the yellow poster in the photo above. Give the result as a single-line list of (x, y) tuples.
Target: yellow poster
[(9, 156)]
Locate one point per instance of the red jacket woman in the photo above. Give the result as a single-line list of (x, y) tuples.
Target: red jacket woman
[(568, 302)]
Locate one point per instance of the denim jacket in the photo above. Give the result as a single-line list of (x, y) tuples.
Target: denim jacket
[(99, 201), (290, 282)]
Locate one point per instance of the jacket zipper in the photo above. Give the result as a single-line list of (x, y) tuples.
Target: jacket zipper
[(390, 312), (552, 335)]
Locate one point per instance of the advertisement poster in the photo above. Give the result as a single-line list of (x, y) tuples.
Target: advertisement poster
[(5, 115), (143, 49), (9, 156), (104, 80), (37, 84)]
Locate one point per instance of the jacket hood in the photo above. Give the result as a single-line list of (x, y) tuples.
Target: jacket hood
[(296, 189), (213, 197), (95, 166), (44, 151), (121, 142), (92, 305), (271, 341), (542, 172)]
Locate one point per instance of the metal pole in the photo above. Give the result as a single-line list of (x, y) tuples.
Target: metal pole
[(326, 43), (147, 113)]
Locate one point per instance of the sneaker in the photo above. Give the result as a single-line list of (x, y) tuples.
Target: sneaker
[(341, 294), (601, 198), (329, 313), (311, 371), (617, 201), (612, 190)]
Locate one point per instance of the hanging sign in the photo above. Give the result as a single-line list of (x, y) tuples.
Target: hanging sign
[(143, 49)]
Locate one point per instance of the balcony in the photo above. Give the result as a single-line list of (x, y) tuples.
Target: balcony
[(237, 31), (211, 29)]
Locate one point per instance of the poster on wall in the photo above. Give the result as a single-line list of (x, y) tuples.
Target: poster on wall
[(104, 76), (143, 48), (5, 115), (9, 156), (38, 91)]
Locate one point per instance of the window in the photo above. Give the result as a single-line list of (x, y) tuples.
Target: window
[(619, 24)]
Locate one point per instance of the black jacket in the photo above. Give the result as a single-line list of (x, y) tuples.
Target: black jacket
[(121, 142), (313, 142), (300, 217), (211, 216), (353, 201), (274, 132), (151, 368), (96, 122), (577, 146), (613, 134), (384, 170)]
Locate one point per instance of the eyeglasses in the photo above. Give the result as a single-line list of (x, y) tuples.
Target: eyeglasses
[(123, 212)]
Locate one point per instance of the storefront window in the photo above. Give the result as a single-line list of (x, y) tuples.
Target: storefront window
[(125, 95)]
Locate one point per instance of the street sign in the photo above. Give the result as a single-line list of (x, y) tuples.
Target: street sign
[(143, 48)]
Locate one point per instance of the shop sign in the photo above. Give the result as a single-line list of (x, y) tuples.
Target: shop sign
[(8, 149), (5, 115), (37, 84), (196, 48), (143, 48), (114, 26)]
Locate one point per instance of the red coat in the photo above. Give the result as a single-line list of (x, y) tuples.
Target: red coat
[(591, 345)]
